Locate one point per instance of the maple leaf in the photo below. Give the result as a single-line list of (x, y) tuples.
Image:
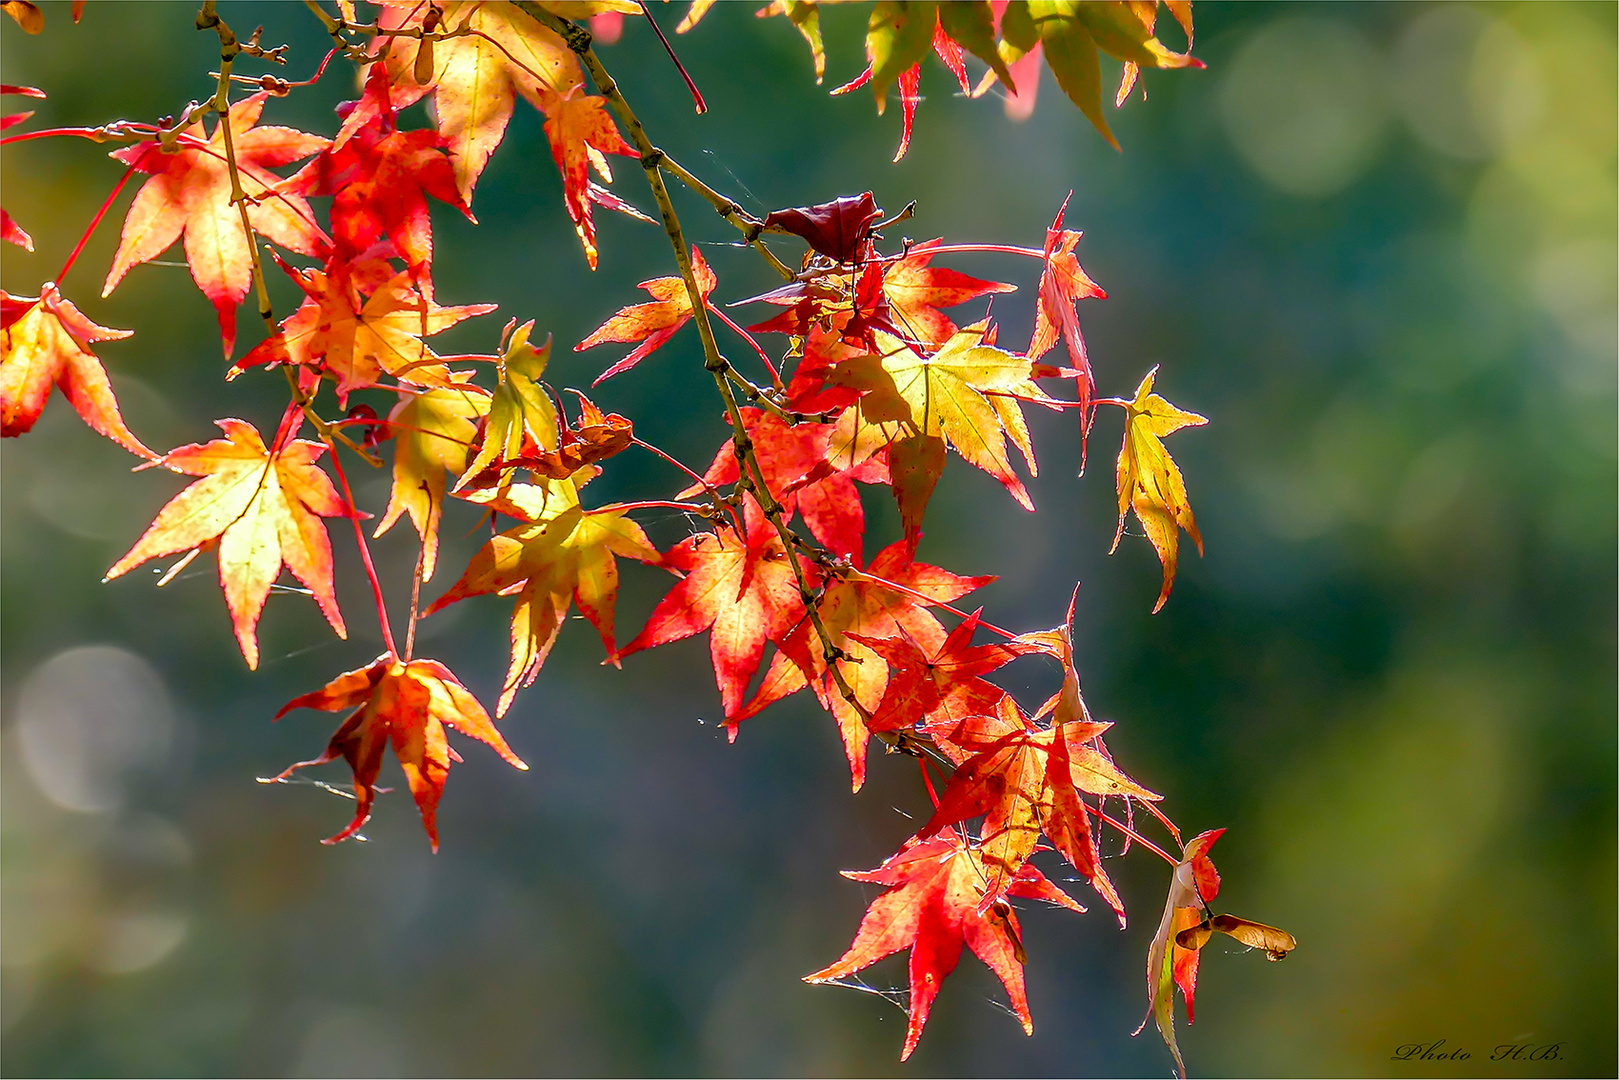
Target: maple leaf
[(965, 393), (855, 610), (13, 233), (1147, 17), (26, 15), (408, 703), (1193, 883), (433, 433), (898, 37), (581, 132), (10, 231), (901, 298), (355, 340), (1149, 481), (932, 908), (45, 342), (805, 15), (793, 459), (1185, 928), (942, 683), (652, 323), (520, 413), (474, 79), (916, 291), (1024, 778), (261, 509), (1062, 285), (190, 193), (1071, 33), (853, 304), (1029, 781), (971, 26), (381, 177), (559, 554), (594, 437), (741, 590)]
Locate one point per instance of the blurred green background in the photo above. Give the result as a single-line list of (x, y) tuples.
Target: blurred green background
[(1374, 243)]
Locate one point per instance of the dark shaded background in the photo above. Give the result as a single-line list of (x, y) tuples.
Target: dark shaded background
[(1375, 244)]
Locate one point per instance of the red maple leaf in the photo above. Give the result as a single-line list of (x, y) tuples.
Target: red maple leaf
[(859, 606), (793, 458), (1027, 782), (408, 703), (1062, 285), (943, 683), (190, 193), (744, 591), (916, 291), (9, 230), (932, 908), (381, 177), (45, 342)]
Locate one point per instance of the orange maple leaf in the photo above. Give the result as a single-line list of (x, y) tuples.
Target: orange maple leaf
[(408, 703), (1029, 781), (475, 79), (581, 132), (44, 342), (190, 192), (355, 339), (260, 508), (652, 323)]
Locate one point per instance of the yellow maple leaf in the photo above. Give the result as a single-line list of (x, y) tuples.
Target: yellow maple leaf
[(557, 555), (433, 433), (1149, 482)]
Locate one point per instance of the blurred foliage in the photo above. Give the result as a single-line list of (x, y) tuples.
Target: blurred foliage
[(1374, 243)]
